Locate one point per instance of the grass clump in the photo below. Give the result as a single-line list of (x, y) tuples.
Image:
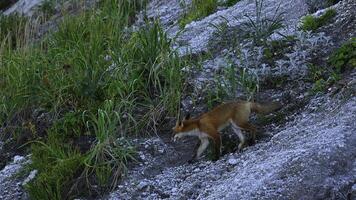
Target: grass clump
[(233, 79), (345, 57), (14, 30), (108, 157), (311, 23), (341, 60), (276, 49), (261, 27), (198, 10), (48, 8), (322, 78), (58, 164)]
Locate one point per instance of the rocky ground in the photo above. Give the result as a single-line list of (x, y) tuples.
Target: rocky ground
[(307, 150), (310, 157)]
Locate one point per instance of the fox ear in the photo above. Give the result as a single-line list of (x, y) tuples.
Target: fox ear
[(187, 116)]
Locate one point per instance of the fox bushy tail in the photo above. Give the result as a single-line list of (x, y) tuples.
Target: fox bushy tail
[(265, 108)]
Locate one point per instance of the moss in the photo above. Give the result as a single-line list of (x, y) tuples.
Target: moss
[(345, 57), (198, 10), (311, 23)]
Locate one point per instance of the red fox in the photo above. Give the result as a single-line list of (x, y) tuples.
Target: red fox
[(209, 124)]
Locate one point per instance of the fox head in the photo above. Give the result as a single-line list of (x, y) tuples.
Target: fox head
[(182, 128)]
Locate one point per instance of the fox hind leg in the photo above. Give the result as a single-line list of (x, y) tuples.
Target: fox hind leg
[(251, 128)]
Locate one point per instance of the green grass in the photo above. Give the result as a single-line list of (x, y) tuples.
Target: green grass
[(311, 23), (260, 27), (47, 8), (202, 8), (341, 61), (14, 31), (107, 160), (345, 57), (89, 96), (58, 165), (198, 10), (232, 79)]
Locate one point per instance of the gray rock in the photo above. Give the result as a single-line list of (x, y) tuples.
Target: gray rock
[(232, 161), (11, 186), (142, 185)]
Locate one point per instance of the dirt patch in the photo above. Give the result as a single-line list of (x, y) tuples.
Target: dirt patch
[(23, 127)]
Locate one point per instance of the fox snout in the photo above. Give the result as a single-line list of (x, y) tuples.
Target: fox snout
[(175, 137)]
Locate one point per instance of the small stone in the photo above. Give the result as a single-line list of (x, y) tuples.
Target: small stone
[(18, 159), (142, 185), (142, 156), (174, 190), (196, 170), (107, 58), (232, 161)]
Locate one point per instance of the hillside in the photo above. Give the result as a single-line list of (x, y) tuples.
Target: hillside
[(91, 89)]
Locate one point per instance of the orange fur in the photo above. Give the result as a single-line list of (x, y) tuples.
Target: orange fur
[(208, 125)]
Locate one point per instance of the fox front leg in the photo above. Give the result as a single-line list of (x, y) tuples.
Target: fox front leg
[(194, 152), (204, 142)]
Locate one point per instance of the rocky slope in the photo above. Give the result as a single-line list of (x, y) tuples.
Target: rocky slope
[(310, 157), (308, 153)]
